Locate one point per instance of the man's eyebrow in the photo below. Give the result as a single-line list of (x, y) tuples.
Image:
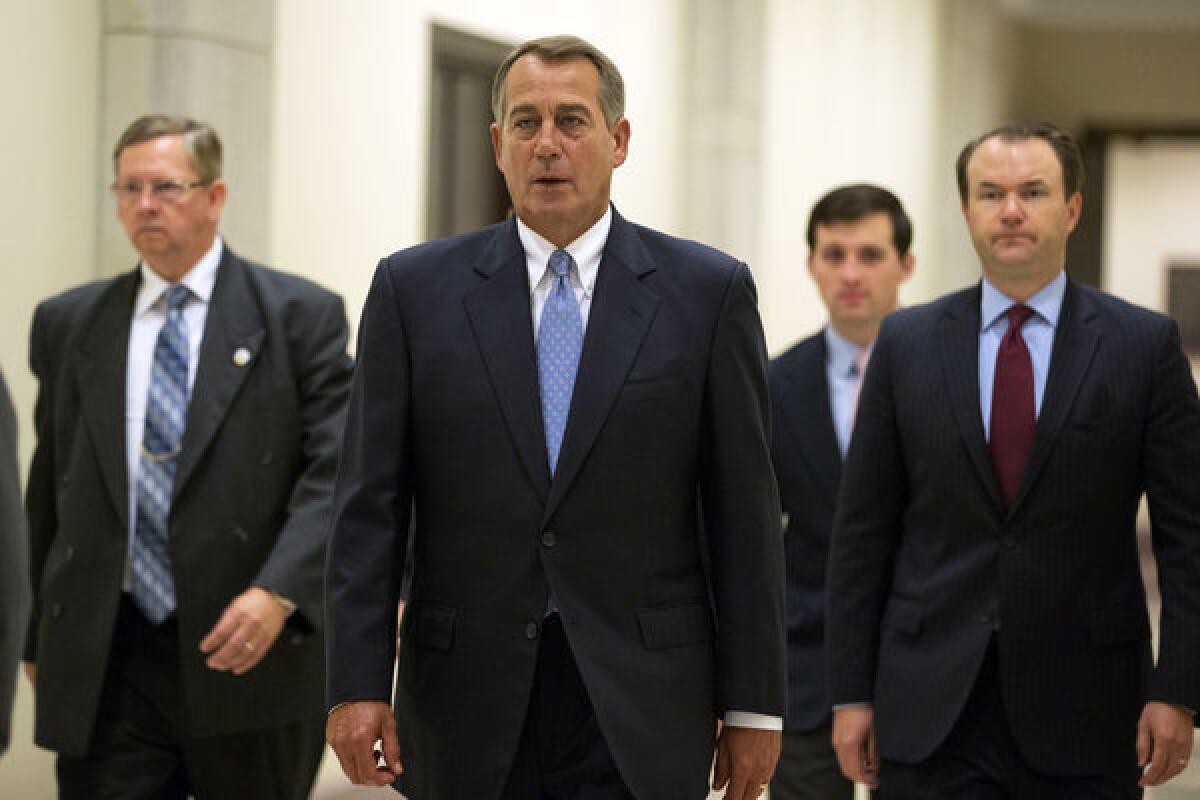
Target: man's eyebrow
[(523, 109), (573, 108)]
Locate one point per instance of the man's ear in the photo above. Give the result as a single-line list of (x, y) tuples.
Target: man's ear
[(620, 134), (496, 146)]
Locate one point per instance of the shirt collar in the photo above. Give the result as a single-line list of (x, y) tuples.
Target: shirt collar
[(1047, 303), (586, 250), (200, 279), (840, 352)]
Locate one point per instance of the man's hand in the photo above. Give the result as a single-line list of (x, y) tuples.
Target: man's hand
[(30, 672), (1164, 742), (353, 730), (854, 743), (245, 632), (745, 761)]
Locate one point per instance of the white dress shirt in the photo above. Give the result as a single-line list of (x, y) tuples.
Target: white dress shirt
[(149, 315), (587, 251)]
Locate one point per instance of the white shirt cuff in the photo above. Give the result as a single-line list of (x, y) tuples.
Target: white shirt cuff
[(748, 719)]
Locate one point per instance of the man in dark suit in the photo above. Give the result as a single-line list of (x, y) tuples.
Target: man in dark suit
[(576, 407), (187, 420), (858, 241), (987, 625), (14, 565)]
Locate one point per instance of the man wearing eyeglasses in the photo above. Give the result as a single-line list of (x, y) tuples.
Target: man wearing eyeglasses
[(178, 500)]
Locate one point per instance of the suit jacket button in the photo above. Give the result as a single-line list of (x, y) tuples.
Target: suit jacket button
[(56, 610), (549, 539), (1009, 542), (68, 552), (297, 638), (266, 458), (531, 630), (986, 619)]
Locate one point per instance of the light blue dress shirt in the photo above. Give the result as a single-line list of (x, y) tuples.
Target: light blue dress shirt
[(843, 379), (1038, 333)]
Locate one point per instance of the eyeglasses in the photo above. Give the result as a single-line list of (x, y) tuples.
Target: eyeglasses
[(130, 192)]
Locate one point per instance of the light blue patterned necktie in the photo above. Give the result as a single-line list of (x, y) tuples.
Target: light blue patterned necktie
[(166, 413), (559, 343)]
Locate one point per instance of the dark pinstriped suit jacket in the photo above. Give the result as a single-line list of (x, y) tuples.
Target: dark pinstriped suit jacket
[(927, 566), (14, 564)]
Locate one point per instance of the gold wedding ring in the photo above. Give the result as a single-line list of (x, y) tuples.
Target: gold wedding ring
[(249, 645)]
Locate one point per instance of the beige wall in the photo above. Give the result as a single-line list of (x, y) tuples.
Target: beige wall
[(48, 55), (351, 128)]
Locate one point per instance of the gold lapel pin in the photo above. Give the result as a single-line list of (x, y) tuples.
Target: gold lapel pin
[(241, 356)]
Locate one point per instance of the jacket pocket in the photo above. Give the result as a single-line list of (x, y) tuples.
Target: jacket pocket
[(676, 626), (903, 615), (433, 626)]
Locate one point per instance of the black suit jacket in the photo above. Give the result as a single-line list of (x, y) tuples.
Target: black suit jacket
[(927, 566), (14, 564), (808, 465), (251, 499), (669, 414)]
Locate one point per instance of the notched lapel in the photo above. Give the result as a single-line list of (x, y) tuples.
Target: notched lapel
[(233, 332), (958, 332), (1075, 344), (101, 366), (502, 324), (621, 313)]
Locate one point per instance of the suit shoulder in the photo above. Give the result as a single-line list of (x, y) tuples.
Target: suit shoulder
[(435, 256), (798, 353), (288, 286), (697, 256), (1120, 310), (70, 307)]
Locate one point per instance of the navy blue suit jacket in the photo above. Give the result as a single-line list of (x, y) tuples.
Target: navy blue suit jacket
[(808, 466)]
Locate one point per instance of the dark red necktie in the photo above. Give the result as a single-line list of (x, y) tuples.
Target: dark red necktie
[(1013, 416)]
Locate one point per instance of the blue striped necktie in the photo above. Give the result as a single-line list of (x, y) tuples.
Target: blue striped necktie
[(559, 343), (162, 438)]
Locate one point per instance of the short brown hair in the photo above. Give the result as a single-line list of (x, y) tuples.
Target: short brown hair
[(560, 48), (1069, 157), (855, 202), (201, 142)]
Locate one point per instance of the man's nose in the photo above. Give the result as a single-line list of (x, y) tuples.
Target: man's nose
[(1011, 210), (547, 144)]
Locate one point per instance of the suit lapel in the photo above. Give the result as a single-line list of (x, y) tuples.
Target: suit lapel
[(500, 317), (807, 417), (621, 312), (233, 335), (1074, 345), (958, 334), (101, 367)]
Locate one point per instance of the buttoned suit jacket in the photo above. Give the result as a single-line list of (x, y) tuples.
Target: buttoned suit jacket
[(808, 466), (928, 566), (667, 434), (14, 565), (250, 505)]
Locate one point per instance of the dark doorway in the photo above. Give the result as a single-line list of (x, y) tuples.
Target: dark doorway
[(466, 192)]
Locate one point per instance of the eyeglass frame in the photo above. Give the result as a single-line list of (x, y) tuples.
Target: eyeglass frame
[(156, 189)]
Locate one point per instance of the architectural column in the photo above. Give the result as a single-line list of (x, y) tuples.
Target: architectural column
[(209, 60)]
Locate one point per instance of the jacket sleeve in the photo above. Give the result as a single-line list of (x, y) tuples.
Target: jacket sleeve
[(740, 502), (866, 534), (371, 508), (295, 566)]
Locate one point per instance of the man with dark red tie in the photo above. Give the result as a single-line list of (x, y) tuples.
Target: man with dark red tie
[(987, 627)]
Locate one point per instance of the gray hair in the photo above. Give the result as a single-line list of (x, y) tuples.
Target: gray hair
[(201, 142), (560, 48)]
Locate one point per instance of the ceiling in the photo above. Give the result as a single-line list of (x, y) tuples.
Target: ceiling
[(1141, 14)]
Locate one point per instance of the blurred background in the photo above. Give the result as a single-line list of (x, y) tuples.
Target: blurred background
[(356, 128)]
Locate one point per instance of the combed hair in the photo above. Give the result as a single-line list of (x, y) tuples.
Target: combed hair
[(1065, 149), (201, 142), (856, 201), (560, 48)]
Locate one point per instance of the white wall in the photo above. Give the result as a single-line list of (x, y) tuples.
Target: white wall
[(1151, 215), (351, 127), (850, 96), (49, 93)]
